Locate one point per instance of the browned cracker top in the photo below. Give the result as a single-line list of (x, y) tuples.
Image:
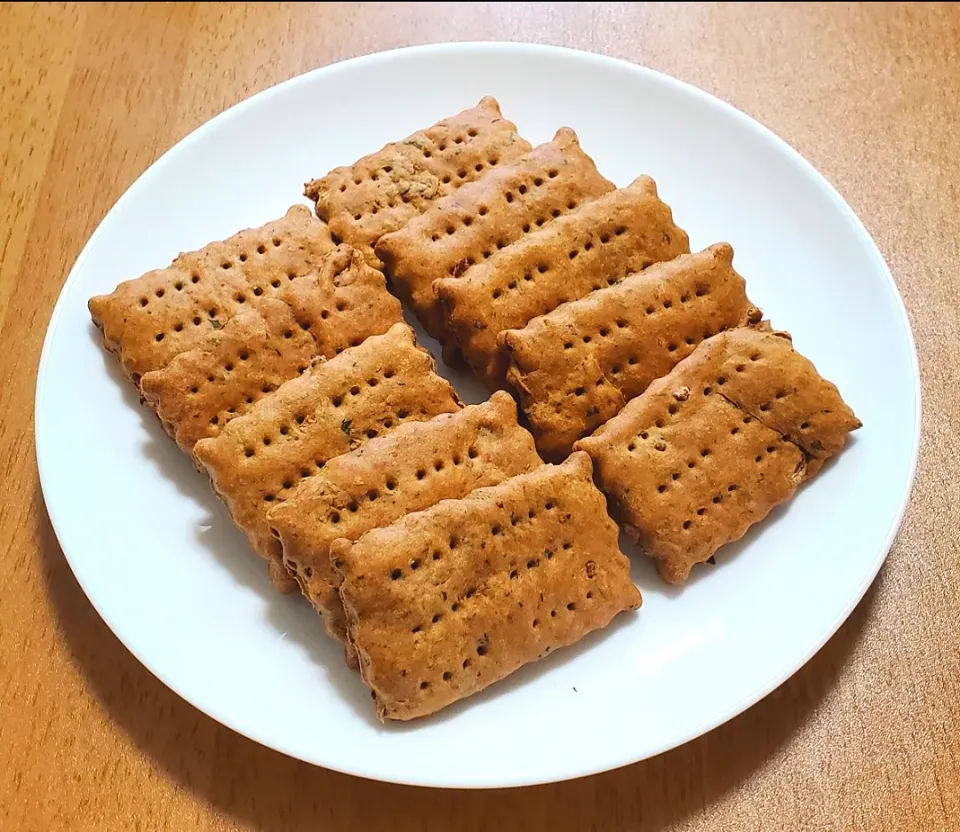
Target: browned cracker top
[(259, 458), (408, 469), (147, 321), (576, 366), (470, 225), (347, 302), (385, 190), (596, 245), (449, 600), (710, 448), (202, 389)]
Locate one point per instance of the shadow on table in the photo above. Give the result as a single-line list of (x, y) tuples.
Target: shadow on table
[(266, 790)]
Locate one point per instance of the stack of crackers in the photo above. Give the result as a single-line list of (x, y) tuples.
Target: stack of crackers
[(431, 537)]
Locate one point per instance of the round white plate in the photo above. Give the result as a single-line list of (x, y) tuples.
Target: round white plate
[(158, 557)]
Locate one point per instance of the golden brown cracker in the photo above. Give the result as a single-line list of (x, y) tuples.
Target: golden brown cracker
[(576, 367), (385, 190), (702, 454), (596, 245), (765, 376), (259, 458), (409, 469), (347, 303), (471, 225), (200, 390), (147, 321), (447, 601)]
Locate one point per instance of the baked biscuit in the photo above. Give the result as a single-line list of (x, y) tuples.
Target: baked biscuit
[(147, 321), (347, 303), (385, 190), (576, 367), (711, 448), (471, 225), (598, 244), (200, 390), (447, 601), (258, 459), (409, 469)]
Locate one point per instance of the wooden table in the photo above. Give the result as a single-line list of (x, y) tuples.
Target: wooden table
[(865, 737)]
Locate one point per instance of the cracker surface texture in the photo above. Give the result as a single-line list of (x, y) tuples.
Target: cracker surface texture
[(259, 458), (577, 366), (385, 190), (594, 246), (315, 316), (449, 600), (469, 226), (409, 469), (147, 321), (711, 448)]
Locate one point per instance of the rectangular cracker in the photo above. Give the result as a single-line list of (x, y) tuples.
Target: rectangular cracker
[(385, 190), (258, 459), (711, 448), (409, 469), (469, 226), (147, 321), (200, 390), (449, 600), (576, 367), (596, 245)]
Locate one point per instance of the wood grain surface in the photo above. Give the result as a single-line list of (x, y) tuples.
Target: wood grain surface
[(865, 737)]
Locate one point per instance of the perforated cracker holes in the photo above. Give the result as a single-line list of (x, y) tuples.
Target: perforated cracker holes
[(479, 586), (147, 321), (700, 456), (383, 191), (259, 457), (612, 236), (469, 227), (407, 470), (576, 367)]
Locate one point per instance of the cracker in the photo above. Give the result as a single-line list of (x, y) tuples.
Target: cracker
[(409, 469), (385, 190), (449, 600), (347, 303), (259, 458), (711, 448), (596, 245), (147, 321), (202, 389), (468, 227), (576, 367)]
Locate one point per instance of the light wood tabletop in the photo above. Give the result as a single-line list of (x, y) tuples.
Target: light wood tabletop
[(865, 737)]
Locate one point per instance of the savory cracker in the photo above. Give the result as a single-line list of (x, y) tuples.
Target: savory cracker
[(200, 390), (347, 303), (147, 321), (449, 600), (711, 448), (471, 225), (409, 469), (259, 458), (385, 190), (598, 244), (576, 367)]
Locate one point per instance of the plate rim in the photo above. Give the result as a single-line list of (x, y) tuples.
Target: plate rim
[(705, 98)]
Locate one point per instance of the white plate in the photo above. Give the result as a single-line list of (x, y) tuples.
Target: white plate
[(161, 562)]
